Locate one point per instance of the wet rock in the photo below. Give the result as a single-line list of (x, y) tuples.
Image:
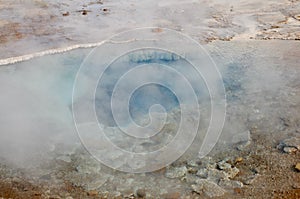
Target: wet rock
[(191, 178), (216, 175), (192, 170), (242, 145), (289, 149), (209, 188), (297, 166), (223, 165), (176, 172), (290, 145), (230, 183), (193, 163), (202, 173)]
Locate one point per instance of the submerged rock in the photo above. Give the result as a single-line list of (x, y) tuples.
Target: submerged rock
[(176, 172)]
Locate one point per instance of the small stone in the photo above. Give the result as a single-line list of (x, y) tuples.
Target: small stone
[(176, 172), (92, 193), (297, 17), (293, 142), (172, 195), (215, 174), (141, 193), (238, 160), (249, 180), (296, 186), (192, 170), (297, 167), (209, 188), (66, 14), (232, 172), (84, 12), (202, 173), (242, 145), (193, 163), (289, 149), (223, 165)]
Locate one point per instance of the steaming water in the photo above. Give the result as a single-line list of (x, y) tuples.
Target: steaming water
[(36, 117)]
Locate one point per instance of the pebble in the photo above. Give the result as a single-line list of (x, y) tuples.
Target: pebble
[(215, 174), (92, 193), (290, 145), (176, 172), (232, 172), (202, 173), (223, 165), (243, 145), (238, 159), (209, 188), (249, 180), (141, 193), (297, 166), (289, 149)]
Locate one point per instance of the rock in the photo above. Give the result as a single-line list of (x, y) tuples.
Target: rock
[(297, 17), (238, 159), (290, 145), (193, 163), (216, 175), (84, 12), (141, 193), (223, 165), (296, 185), (249, 180), (297, 166), (192, 170), (232, 172), (66, 14), (242, 145), (202, 173), (92, 193), (209, 188), (289, 149), (230, 183), (176, 172), (172, 195)]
